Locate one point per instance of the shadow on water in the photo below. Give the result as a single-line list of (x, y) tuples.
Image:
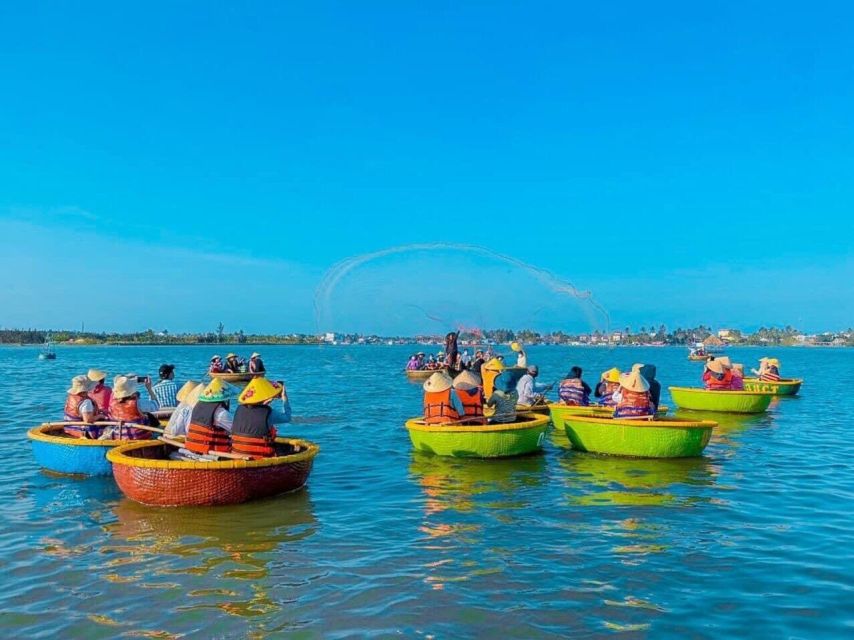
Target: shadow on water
[(730, 425)]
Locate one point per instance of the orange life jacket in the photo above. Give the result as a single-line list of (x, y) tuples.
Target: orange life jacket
[(633, 404), (127, 410), (712, 383), (438, 407), (472, 401), (202, 434), (72, 412), (101, 397)]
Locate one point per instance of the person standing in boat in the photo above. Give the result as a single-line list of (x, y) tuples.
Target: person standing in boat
[(477, 363), (101, 393), (573, 390), (521, 356), (440, 404), (609, 383), (166, 390), (503, 399), (451, 350), (210, 422), (632, 397), (469, 390), (187, 397), (79, 407), (530, 391), (256, 364), (128, 407), (716, 377), (216, 365), (253, 431)]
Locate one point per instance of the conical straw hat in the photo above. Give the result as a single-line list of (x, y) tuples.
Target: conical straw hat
[(468, 381), (611, 375), (124, 387), (192, 397), (439, 381), (634, 381), (715, 366), (189, 385), (494, 365), (216, 391), (725, 361), (259, 390)]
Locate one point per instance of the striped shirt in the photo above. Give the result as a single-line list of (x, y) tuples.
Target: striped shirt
[(165, 392)]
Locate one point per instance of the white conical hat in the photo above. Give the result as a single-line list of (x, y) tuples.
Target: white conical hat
[(634, 381), (468, 381), (439, 381)]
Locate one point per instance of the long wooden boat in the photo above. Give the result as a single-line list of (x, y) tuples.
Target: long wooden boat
[(146, 474), (59, 452), (560, 412), (526, 435), (663, 437), (236, 377), (723, 401), (785, 387)]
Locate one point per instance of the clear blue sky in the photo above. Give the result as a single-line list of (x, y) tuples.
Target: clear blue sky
[(177, 164)]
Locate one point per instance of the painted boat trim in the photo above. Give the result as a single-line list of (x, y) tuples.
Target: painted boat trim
[(417, 424), (40, 434), (659, 422)]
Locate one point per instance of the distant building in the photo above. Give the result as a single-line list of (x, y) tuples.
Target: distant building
[(727, 335)]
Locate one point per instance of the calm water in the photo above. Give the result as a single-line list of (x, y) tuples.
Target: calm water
[(753, 539)]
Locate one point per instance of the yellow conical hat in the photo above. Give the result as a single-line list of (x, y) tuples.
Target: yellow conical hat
[(494, 365), (216, 391), (634, 381), (611, 375), (259, 390), (189, 385)]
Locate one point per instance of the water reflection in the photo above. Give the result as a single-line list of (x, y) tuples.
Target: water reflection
[(730, 425)]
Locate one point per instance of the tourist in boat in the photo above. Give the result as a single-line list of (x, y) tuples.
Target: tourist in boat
[(216, 365), (716, 377), (101, 393), (477, 363), (256, 364), (79, 407), (465, 358), (469, 390), (503, 399), (210, 422), (253, 430), (521, 356), (771, 373), (573, 390), (412, 365), (233, 364), (489, 372), (439, 402), (187, 397), (609, 383), (530, 391), (420, 359), (648, 371), (737, 377), (632, 397), (128, 407), (166, 390)]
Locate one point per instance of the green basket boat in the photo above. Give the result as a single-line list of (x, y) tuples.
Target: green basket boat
[(722, 401), (781, 388), (526, 435), (560, 412), (660, 438)]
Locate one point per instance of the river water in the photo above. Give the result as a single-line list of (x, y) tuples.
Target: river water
[(753, 539)]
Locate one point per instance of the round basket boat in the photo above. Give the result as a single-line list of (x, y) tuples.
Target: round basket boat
[(57, 451), (236, 377), (722, 401), (145, 474), (526, 435), (560, 412), (698, 358), (779, 388), (421, 374), (660, 438), (533, 408)]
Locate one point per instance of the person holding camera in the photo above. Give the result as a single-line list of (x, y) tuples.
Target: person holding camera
[(166, 390)]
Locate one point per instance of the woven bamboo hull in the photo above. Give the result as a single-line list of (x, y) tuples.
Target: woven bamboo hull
[(698, 358), (660, 438), (421, 374), (560, 412), (60, 453), (235, 377), (781, 388), (722, 401), (480, 441), (542, 409), (144, 475)]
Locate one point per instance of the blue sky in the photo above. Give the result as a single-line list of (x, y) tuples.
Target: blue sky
[(180, 163)]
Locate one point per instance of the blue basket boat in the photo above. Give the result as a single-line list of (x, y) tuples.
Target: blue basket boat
[(56, 451)]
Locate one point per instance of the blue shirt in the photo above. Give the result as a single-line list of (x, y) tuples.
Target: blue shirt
[(164, 393)]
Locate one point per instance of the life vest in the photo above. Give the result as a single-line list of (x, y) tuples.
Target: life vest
[(72, 412), (633, 404), (713, 383), (251, 432), (571, 392), (771, 374), (438, 407), (101, 397), (606, 397), (202, 434), (128, 411), (472, 401)]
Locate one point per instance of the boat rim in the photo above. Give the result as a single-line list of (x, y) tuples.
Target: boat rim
[(719, 392), (117, 456), (660, 422), (39, 435), (417, 424), (787, 381)]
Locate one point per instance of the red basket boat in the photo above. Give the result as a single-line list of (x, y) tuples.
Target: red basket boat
[(145, 474)]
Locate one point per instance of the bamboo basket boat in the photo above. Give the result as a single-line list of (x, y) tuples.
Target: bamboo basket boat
[(422, 374), (698, 399), (59, 452), (560, 412), (146, 474), (663, 437), (786, 387), (526, 435), (236, 377)]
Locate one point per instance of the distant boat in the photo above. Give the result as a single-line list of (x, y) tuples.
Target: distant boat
[(47, 352)]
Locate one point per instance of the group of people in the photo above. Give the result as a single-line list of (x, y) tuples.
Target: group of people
[(90, 400), (634, 394), (452, 359), (235, 364), (720, 374)]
